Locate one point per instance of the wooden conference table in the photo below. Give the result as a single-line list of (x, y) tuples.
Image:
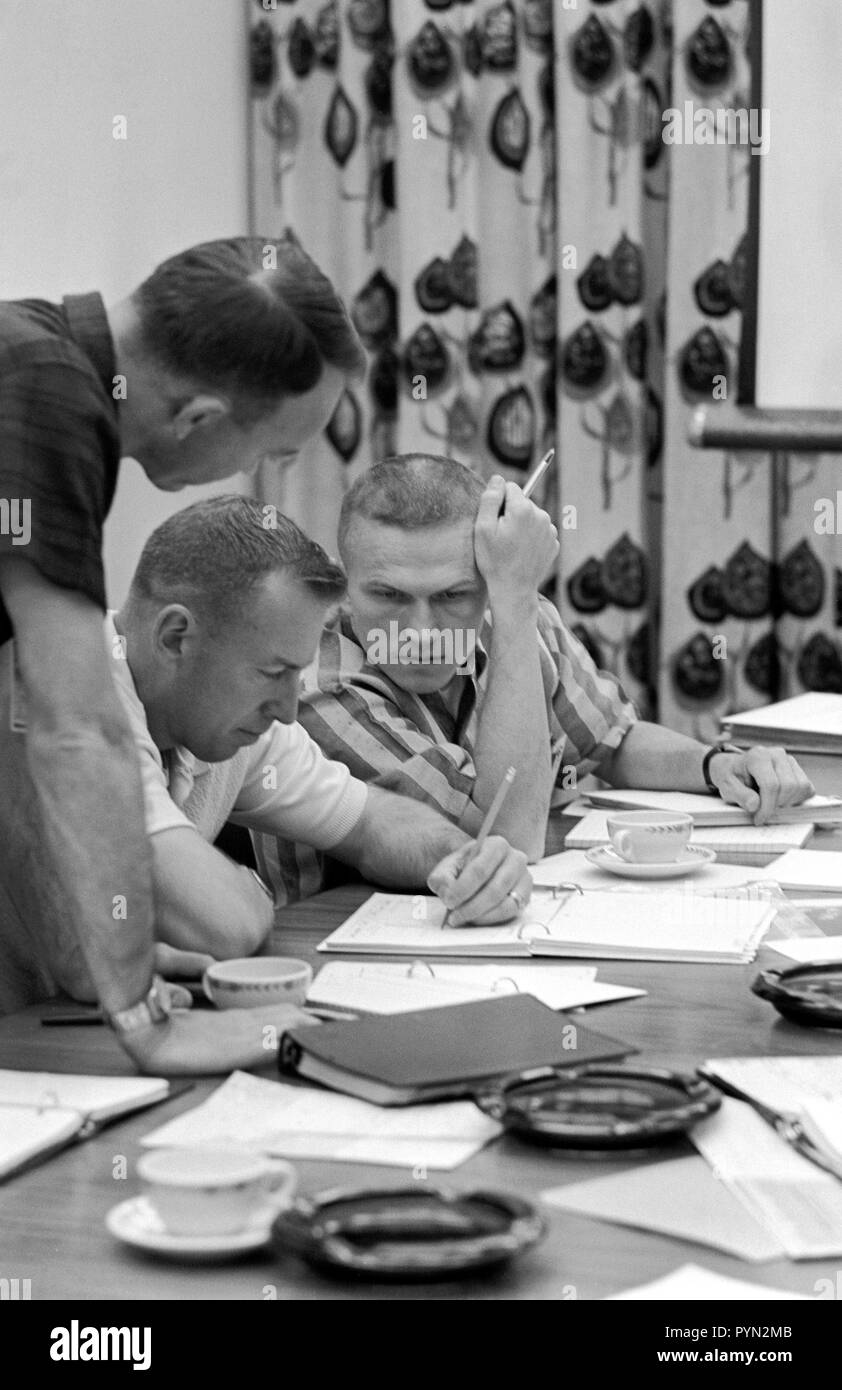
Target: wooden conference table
[(52, 1227)]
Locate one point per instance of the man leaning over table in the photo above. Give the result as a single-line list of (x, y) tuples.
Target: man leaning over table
[(428, 547), (225, 609), (229, 353)]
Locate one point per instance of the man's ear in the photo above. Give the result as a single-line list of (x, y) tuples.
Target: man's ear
[(175, 629), (197, 413)]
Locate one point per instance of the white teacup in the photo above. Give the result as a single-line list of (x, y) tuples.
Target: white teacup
[(212, 1192), (650, 837), (256, 980)]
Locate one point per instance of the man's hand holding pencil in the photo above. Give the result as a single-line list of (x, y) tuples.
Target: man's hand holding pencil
[(485, 881)]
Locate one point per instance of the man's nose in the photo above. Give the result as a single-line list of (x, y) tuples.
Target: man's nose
[(284, 706), (419, 615)]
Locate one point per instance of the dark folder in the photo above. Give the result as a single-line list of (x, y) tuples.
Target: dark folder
[(430, 1054)]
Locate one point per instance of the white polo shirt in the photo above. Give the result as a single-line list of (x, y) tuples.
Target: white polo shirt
[(282, 783)]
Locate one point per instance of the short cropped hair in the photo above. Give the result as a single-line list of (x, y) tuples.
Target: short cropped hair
[(212, 554), (412, 491), (254, 318)]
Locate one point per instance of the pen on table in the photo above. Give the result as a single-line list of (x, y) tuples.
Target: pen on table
[(330, 1015), (534, 478), (64, 1020), (485, 829)]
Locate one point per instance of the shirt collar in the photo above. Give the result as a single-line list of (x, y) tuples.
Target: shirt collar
[(89, 328)]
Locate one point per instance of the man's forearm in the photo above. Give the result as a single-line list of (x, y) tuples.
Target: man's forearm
[(398, 841), (656, 759), (91, 812), (204, 901), (513, 731)]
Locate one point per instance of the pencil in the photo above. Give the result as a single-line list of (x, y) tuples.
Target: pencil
[(534, 478), (488, 821)]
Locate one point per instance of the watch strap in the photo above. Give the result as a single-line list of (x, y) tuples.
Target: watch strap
[(707, 760)]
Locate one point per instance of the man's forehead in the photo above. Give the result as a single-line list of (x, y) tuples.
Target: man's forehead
[(373, 548)]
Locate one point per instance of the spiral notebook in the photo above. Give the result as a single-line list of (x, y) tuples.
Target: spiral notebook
[(738, 844), (42, 1112), (593, 925)]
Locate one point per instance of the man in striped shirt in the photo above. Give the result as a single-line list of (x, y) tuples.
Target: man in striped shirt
[(446, 666)]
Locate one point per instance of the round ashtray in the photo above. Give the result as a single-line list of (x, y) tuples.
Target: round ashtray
[(602, 1107), (415, 1232), (806, 994)]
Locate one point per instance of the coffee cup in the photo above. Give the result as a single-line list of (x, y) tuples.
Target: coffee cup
[(212, 1191), (650, 837), (257, 980)]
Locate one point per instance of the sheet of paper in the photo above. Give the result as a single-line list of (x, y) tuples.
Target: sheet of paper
[(572, 866), (795, 1200), (390, 988), (814, 950), (822, 1120), (679, 1198), (694, 1282), (301, 1122), (819, 871), (783, 1084)]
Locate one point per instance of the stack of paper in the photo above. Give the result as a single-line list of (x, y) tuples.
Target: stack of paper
[(300, 1122), (744, 844), (617, 926), (810, 723), (390, 988), (710, 810)]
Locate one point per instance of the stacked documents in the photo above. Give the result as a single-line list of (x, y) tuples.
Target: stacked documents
[(810, 723), (711, 810)]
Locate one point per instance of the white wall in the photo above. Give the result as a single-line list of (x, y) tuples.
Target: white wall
[(799, 357), (82, 210)]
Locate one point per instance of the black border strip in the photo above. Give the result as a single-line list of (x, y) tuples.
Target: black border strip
[(747, 371)]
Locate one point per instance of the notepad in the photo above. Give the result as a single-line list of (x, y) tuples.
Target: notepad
[(594, 925), (784, 1084), (302, 1122), (748, 844), (808, 870), (41, 1112), (711, 810)]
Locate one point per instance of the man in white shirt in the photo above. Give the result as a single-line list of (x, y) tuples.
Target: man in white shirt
[(225, 610)]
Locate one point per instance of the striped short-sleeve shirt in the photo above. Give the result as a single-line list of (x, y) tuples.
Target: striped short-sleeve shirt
[(423, 746), (59, 440)]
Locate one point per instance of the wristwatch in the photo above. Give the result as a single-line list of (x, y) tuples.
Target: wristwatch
[(707, 760), (152, 1009)]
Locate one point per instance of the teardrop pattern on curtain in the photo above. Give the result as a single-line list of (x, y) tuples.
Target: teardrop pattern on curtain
[(491, 186)]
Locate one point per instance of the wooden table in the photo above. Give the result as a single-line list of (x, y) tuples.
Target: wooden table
[(52, 1218)]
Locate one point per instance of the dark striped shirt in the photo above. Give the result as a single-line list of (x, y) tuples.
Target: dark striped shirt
[(59, 440), (423, 746)]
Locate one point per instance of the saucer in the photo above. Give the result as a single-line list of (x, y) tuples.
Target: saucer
[(693, 858), (136, 1222)]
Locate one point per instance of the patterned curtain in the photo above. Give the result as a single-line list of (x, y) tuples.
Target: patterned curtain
[(488, 185)]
